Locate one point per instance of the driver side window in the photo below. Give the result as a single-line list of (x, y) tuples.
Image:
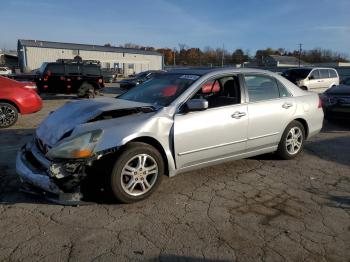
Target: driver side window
[(315, 74), (220, 92)]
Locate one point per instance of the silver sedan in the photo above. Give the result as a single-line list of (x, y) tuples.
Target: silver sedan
[(175, 122)]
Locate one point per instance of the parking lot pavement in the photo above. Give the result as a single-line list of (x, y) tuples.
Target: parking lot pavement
[(258, 209)]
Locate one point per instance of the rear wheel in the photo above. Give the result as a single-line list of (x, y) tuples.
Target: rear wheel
[(86, 90), (137, 172), (8, 115), (292, 141)]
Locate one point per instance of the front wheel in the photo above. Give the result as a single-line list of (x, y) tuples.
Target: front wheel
[(292, 141), (137, 172), (8, 115)]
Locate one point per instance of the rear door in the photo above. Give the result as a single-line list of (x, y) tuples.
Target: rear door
[(218, 132), (270, 109), (326, 81)]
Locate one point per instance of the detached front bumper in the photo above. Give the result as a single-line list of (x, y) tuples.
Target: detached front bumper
[(33, 170)]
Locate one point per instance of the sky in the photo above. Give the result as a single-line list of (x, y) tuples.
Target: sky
[(245, 24)]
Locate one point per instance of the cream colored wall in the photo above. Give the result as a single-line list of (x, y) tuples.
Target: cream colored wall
[(36, 56)]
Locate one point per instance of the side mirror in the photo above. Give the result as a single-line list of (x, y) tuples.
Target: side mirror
[(197, 104), (311, 77)]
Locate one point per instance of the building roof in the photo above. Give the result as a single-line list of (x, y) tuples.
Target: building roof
[(72, 46), (287, 59)]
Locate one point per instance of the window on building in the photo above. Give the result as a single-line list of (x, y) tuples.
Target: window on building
[(131, 66)]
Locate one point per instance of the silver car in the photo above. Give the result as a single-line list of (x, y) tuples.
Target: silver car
[(175, 122)]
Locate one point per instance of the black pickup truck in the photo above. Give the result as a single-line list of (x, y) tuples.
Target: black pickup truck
[(67, 76)]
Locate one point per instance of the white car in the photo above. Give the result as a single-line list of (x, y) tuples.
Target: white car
[(313, 79), (5, 71)]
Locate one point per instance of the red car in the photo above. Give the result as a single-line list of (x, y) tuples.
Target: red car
[(17, 97)]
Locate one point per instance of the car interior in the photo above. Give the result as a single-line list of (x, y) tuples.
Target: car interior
[(220, 92)]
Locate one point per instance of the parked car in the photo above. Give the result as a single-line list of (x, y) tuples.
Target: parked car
[(5, 70), (16, 97), (175, 122), (68, 76), (336, 101), (313, 79), (139, 78)]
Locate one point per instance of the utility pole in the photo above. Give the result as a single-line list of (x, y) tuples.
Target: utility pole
[(174, 56), (222, 57), (300, 45)]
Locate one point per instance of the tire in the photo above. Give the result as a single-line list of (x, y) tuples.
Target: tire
[(290, 147), (8, 115), (304, 88), (129, 177), (86, 90)]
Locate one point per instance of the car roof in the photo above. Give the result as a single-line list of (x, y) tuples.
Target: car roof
[(310, 68), (205, 71)]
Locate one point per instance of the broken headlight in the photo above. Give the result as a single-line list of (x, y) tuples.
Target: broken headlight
[(81, 146)]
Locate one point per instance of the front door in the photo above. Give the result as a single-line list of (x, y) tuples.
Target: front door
[(216, 133)]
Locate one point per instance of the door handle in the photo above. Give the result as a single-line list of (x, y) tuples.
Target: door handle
[(238, 115), (287, 105)]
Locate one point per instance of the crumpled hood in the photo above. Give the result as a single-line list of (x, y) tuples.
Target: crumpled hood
[(74, 113)]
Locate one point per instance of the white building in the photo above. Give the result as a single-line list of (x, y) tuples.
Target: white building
[(32, 53)]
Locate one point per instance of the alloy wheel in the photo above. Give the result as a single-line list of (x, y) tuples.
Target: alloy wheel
[(139, 174), (7, 116), (294, 140)]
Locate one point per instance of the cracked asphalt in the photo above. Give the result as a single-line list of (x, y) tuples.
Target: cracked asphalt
[(257, 209)]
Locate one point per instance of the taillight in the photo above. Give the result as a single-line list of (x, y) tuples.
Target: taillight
[(319, 102)]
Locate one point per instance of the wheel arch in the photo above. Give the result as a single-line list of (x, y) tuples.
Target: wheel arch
[(11, 103), (157, 145), (305, 125)]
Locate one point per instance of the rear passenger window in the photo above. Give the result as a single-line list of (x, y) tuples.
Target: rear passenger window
[(283, 90), (261, 88), (324, 73), (332, 73)]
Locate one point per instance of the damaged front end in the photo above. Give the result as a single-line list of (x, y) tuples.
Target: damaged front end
[(72, 142), (59, 181)]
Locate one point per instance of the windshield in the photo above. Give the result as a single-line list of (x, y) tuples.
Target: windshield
[(161, 90), (296, 73)]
